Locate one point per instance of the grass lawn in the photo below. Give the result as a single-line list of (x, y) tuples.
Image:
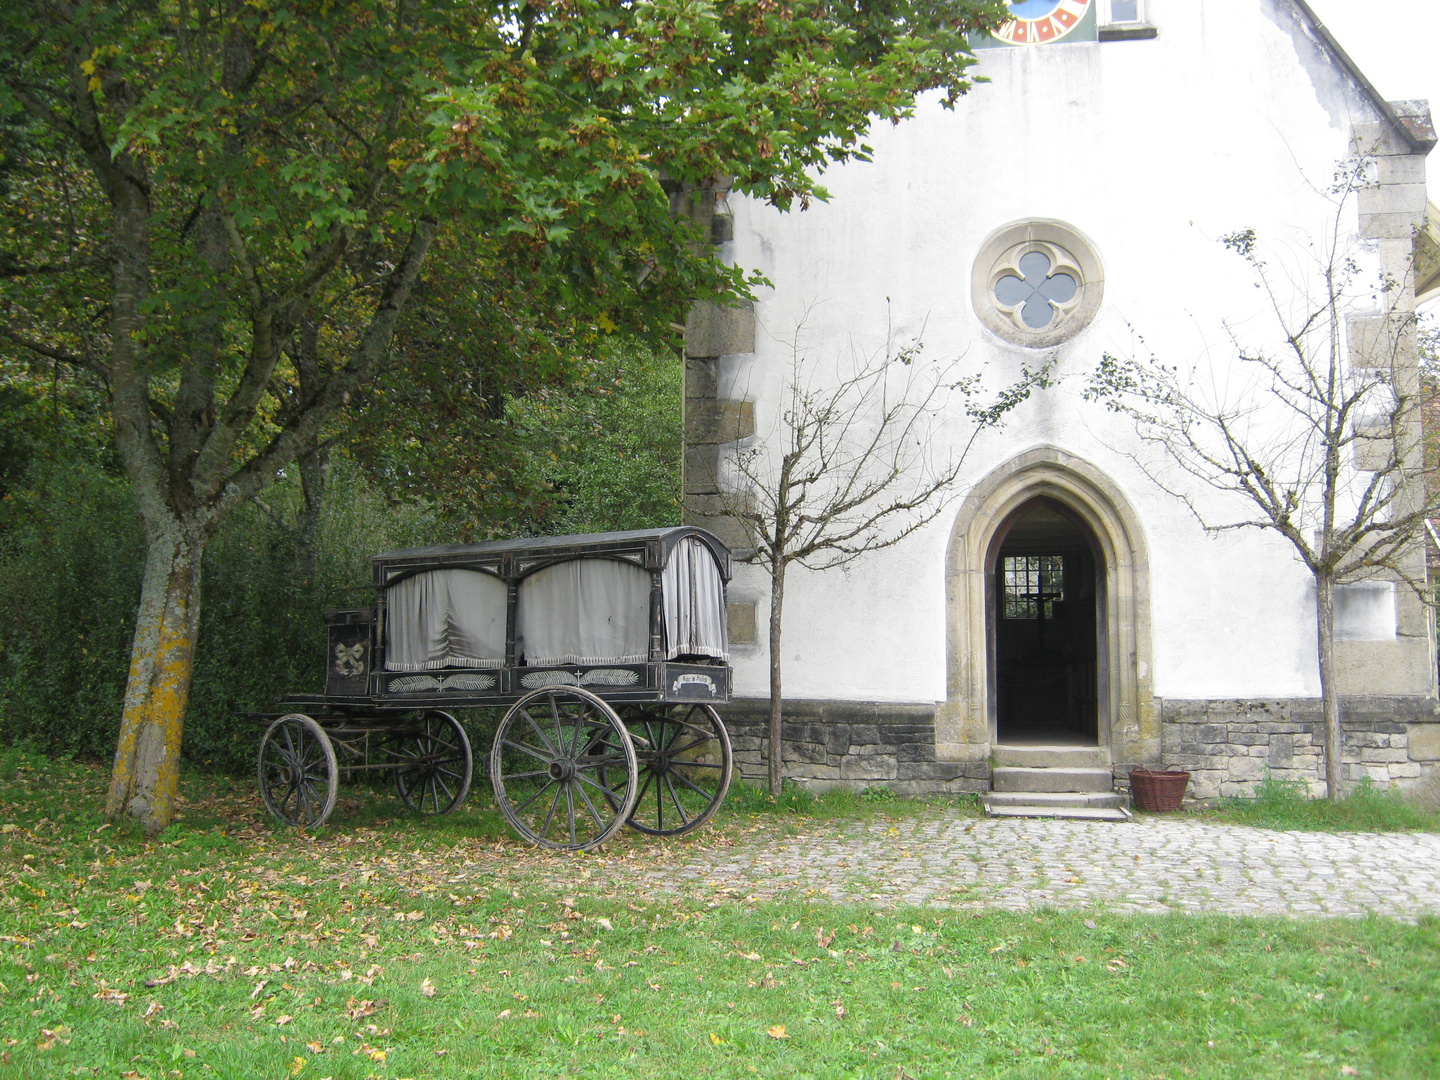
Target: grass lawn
[(1285, 804), (391, 946)]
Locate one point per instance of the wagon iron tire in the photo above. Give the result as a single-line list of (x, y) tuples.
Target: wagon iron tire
[(299, 777), (563, 768), (684, 767), (434, 765)]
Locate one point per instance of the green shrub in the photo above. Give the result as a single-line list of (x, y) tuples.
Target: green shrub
[(70, 566)]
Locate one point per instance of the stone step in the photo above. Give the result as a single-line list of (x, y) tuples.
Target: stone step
[(1094, 800), (1069, 813), (1052, 757), (1014, 778)]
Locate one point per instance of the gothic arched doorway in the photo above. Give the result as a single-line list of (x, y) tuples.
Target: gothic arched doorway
[(1092, 506), (1045, 589)]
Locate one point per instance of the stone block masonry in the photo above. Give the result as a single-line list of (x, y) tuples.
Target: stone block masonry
[(1228, 746), (851, 744)]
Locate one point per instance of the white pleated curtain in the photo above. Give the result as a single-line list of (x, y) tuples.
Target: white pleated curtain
[(445, 618), (694, 603), (585, 611)]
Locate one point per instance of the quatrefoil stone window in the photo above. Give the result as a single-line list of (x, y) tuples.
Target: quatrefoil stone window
[(1037, 283)]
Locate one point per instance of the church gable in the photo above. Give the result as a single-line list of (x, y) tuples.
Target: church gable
[(1069, 207)]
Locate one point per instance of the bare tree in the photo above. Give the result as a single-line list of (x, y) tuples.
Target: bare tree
[(850, 467), (1325, 448)]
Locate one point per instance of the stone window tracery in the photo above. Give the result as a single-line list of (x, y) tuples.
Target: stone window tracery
[(1037, 283)]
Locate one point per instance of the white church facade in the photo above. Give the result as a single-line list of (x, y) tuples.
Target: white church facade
[(1071, 206)]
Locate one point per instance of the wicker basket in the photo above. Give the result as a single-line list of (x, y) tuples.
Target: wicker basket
[(1158, 791)]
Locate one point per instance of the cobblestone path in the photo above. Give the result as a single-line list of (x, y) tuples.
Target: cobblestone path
[(1150, 865)]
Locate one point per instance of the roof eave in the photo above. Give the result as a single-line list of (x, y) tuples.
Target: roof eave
[(1415, 127)]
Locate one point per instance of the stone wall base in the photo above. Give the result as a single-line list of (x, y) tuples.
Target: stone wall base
[(851, 744), (1228, 746)]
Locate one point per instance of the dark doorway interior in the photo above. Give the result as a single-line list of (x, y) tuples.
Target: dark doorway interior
[(1045, 628)]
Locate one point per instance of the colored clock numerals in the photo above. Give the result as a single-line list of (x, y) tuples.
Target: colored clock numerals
[(1062, 17)]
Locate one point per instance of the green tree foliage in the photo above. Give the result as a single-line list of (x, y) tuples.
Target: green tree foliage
[(607, 451), (227, 206)]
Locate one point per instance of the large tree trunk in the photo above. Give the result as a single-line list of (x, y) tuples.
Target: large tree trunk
[(314, 473), (777, 727), (162, 660), (1329, 702)]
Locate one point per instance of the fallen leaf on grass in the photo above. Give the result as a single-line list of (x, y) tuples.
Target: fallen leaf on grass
[(822, 938), (503, 1014), (716, 1040), (356, 1008), (777, 1032), (604, 924), (427, 987), (315, 1047), (259, 987), (1349, 1070), (296, 1064), (152, 1010), (839, 1011), (281, 1021)]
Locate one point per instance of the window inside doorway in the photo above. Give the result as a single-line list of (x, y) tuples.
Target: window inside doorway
[(1032, 585)]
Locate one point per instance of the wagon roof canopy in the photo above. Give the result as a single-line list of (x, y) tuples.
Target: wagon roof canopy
[(559, 547)]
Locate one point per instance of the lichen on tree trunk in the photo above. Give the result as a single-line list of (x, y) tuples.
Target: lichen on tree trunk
[(146, 773)]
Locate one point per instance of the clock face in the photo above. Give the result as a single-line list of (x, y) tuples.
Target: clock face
[(1036, 22)]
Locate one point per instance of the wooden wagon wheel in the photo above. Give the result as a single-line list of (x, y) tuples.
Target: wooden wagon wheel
[(298, 774), (685, 765), (433, 765), (563, 768)]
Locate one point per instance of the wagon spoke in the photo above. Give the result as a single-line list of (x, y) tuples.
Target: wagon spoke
[(442, 785), (590, 806), (570, 808), (527, 775), (536, 728), (673, 749), (647, 776), (575, 726), (598, 786), (538, 791), (693, 787), (601, 762), (676, 800), (551, 813), (547, 758)]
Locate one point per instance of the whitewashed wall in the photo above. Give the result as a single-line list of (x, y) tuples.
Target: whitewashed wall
[(1229, 119)]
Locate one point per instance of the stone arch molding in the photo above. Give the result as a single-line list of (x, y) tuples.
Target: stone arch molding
[(1128, 723)]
